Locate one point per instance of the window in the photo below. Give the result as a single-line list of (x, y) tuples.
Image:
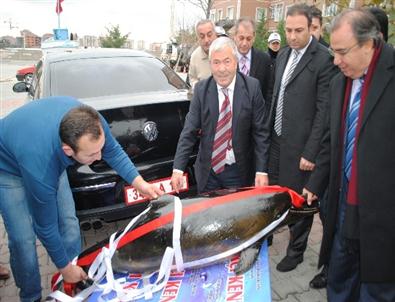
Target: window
[(230, 13), (260, 14), (277, 12), (95, 77), (220, 14), (212, 15), (329, 11)]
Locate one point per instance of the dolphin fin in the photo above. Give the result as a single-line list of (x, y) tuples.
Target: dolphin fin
[(248, 257)]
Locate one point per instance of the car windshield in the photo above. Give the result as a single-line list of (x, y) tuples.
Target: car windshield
[(93, 77)]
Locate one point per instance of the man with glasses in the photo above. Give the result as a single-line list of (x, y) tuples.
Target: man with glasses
[(357, 160), (298, 111)]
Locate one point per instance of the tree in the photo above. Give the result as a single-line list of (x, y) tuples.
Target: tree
[(261, 35), (186, 36), (281, 32), (204, 5), (113, 39)]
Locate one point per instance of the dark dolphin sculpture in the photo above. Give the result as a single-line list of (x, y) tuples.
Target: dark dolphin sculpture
[(236, 220)]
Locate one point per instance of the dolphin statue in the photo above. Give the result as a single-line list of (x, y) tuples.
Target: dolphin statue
[(212, 224), (212, 227)]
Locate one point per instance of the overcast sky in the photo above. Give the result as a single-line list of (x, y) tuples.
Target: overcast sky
[(144, 19)]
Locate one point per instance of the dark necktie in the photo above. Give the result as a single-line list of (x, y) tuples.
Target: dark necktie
[(223, 135)]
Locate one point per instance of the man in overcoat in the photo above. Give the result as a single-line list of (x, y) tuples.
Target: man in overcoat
[(300, 99), (357, 158)]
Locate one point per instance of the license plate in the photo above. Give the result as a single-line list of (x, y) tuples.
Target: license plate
[(132, 196)]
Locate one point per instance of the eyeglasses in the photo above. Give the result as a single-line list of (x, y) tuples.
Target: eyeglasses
[(341, 52)]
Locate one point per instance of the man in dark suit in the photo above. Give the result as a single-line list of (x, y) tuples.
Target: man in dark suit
[(253, 62), (357, 158), (316, 25), (300, 99), (227, 114)]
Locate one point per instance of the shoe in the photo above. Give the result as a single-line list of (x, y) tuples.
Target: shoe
[(288, 264), (320, 280), (4, 273), (270, 240)]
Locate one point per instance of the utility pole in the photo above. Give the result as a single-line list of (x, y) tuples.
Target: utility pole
[(9, 21), (172, 28)]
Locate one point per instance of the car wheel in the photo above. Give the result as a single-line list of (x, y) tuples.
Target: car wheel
[(28, 77)]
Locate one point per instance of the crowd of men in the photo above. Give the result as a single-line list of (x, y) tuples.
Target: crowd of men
[(314, 117), (309, 116)]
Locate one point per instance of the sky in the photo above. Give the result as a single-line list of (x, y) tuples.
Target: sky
[(147, 20)]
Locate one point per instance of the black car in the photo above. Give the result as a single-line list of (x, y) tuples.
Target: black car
[(144, 102)]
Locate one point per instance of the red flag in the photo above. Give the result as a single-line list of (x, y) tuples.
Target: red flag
[(59, 8)]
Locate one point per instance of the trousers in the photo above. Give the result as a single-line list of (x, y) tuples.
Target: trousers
[(344, 280), (15, 210)]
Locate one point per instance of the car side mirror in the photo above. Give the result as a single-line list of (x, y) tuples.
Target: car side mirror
[(20, 87)]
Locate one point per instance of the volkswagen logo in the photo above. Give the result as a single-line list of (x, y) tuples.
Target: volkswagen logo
[(150, 131)]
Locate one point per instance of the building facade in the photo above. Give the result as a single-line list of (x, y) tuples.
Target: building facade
[(226, 12)]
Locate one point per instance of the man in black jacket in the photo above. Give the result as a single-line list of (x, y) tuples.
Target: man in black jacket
[(316, 25), (253, 62), (298, 111)]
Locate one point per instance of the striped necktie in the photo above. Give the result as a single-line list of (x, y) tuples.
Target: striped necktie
[(352, 122), (243, 64), (223, 135), (285, 79)]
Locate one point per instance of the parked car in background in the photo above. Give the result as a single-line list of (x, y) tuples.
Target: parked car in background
[(25, 74), (145, 103)]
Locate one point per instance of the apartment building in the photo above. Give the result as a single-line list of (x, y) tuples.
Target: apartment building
[(225, 12), (31, 40)]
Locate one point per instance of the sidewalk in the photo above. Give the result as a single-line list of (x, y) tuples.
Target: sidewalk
[(286, 287)]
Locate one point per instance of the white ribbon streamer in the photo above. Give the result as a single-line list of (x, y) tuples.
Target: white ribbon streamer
[(177, 234)]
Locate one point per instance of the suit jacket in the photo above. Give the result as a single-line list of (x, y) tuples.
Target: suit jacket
[(376, 166), (249, 135), (261, 70), (304, 110)]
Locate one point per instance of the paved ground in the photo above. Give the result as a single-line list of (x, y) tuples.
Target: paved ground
[(286, 287)]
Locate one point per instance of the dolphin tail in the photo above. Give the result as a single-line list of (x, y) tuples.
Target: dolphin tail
[(248, 257)]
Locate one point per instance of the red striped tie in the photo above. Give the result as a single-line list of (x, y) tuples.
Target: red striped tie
[(223, 135)]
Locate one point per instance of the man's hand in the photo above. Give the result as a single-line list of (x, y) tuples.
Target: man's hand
[(73, 273), (177, 181), (148, 190), (261, 180), (306, 165), (310, 197)]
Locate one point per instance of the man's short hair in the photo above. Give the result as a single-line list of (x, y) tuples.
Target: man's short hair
[(302, 10), (202, 22), (79, 121), (363, 25), (316, 13), (243, 21), (220, 43), (382, 19)]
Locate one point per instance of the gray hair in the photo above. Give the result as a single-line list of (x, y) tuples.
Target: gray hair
[(363, 24), (202, 22), (221, 43), (243, 21)]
